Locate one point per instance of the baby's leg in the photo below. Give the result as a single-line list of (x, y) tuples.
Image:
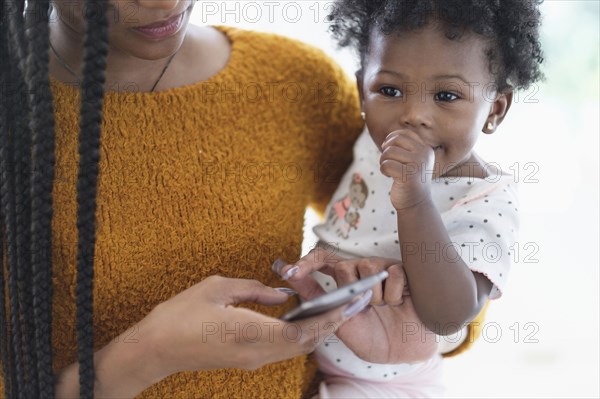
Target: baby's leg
[(418, 380)]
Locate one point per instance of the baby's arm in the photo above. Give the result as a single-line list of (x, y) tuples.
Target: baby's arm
[(447, 294)]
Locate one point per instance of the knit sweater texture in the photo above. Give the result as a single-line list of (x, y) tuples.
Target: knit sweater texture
[(211, 178)]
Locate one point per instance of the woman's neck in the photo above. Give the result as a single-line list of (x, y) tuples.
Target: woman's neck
[(122, 69), (204, 52)]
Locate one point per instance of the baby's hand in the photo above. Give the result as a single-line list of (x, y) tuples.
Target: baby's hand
[(391, 291), (387, 332), (324, 259), (409, 161)]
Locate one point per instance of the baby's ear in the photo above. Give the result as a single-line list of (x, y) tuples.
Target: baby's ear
[(504, 99), (500, 107)]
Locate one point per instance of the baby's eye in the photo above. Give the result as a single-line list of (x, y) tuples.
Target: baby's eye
[(445, 96), (390, 91)]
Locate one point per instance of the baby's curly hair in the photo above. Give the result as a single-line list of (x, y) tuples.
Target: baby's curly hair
[(513, 25)]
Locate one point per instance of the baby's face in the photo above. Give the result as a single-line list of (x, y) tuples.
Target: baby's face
[(439, 88)]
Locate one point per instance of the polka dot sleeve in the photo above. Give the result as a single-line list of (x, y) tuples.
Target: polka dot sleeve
[(483, 226)]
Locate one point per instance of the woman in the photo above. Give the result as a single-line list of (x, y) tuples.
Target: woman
[(199, 150)]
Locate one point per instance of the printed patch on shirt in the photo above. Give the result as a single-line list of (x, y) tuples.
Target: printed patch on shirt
[(344, 215)]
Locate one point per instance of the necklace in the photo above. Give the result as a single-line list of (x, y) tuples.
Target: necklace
[(72, 72)]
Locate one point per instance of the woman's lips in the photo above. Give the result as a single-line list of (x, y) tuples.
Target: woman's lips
[(160, 30)]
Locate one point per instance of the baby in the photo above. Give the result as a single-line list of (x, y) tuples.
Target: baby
[(417, 201)]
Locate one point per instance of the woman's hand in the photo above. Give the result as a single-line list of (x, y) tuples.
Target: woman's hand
[(201, 329), (389, 331)]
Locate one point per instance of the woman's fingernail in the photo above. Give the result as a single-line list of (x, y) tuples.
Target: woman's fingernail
[(286, 290), (278, 265), (358, 305), (290, 273)]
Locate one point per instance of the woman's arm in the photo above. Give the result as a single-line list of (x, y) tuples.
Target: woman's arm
[(186, 333), (122, 368)]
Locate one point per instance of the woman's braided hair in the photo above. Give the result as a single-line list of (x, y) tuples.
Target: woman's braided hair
[(26, 181), (511, 25)]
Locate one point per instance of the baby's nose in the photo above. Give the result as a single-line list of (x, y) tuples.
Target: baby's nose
[(416, 113)]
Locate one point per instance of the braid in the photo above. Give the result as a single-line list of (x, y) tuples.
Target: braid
[(42, 125), (7, 342), (94, 64), (8, 211), (13, 365), (3, 329), (4, 348), (26, 182), (22, 145), (3, 325)]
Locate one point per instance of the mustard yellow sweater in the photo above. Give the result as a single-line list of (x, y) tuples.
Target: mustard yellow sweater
[(210, 178)]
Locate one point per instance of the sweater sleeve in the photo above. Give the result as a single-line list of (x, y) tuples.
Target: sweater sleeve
[(339, 111)]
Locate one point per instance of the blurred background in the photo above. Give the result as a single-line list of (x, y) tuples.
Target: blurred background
[(541, 338)]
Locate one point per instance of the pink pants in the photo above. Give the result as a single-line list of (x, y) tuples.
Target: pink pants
[(424, 380)]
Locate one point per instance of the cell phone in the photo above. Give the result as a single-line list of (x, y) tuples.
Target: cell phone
[(332, 300)]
